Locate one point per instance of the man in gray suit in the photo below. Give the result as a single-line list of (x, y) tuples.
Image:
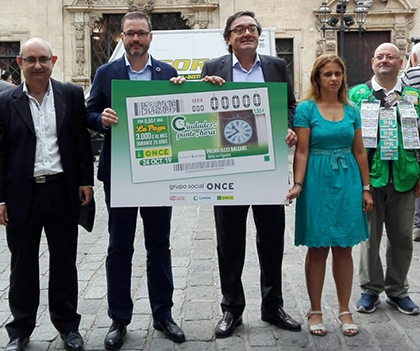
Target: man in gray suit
[(5, 85), (243, 64)]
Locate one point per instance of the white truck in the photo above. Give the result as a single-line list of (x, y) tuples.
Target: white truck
[(187, 50)]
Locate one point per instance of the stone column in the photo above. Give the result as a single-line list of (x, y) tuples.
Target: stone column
[(80, 76)]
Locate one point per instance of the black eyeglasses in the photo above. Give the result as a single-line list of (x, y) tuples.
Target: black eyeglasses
[(252, 29), (141, 34), (33, 60)]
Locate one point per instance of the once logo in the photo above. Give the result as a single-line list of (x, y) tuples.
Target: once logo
[(220, 186)]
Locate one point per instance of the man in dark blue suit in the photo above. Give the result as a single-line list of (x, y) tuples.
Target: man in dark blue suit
[(243, 64), (46, 173), (136, 64)]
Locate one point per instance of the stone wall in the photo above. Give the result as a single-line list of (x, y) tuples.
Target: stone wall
[(65, 23)]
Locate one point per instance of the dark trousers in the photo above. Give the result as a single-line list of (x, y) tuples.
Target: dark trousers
[(122, 228), (231, 245), (50, 211)]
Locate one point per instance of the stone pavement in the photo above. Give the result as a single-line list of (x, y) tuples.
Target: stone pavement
[(197, 296)]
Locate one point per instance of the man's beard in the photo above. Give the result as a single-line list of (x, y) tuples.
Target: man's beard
[(136, 53)]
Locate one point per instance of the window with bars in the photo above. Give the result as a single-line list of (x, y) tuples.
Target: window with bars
[(106, 35), (8, 52), (167, 21), (103, 40), (284, 50)]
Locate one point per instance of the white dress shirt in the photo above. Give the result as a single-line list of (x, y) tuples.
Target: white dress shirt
[(144, 74), (240, 74), (47, 154)]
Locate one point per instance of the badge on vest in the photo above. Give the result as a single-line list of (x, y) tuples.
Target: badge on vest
[(411, 96), (392, 99), (409, 125), (388, 133), (369, 114)]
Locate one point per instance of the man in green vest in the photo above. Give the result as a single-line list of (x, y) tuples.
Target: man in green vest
[(394, 177)]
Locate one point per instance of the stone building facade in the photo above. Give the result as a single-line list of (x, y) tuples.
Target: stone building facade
[(70, 24)]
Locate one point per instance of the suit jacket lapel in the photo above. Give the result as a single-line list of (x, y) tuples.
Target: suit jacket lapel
[(59, 103), (120, 69), (226, 68), (156, 69), (21, 104), (268, 71)]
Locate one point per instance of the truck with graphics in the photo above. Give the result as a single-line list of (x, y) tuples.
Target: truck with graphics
[(187, 50)]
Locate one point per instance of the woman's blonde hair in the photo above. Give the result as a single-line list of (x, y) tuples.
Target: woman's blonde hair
[(315, 90)]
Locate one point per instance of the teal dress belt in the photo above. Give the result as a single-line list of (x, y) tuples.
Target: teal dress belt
[(336, 156)]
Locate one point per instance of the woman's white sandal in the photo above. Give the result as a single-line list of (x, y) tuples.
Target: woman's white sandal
[(316, 329), (349, 329)]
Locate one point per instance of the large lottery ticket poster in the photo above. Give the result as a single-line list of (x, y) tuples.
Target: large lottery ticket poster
[(198, 143)]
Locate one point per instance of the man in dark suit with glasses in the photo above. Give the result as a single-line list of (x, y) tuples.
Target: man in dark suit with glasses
[(243, 64), (135, 64)]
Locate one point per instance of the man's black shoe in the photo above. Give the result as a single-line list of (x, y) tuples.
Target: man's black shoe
[(73, 341), (114, 339), (281, 319), (17, 344), (170, 329), (227, 325)]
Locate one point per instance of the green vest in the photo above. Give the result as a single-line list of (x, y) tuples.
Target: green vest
[(405, 170)]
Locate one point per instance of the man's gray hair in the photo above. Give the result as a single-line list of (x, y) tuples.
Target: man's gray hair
[(416, 50)]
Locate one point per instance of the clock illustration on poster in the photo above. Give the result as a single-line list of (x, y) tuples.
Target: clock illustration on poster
[(238, 131), (238, 128)]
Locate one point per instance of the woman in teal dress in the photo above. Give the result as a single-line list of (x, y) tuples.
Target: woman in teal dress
[(331, 182)]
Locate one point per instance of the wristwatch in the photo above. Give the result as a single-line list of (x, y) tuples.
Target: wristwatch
[(367, 188)]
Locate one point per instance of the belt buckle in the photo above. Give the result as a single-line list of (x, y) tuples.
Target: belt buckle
[(40, 179)]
